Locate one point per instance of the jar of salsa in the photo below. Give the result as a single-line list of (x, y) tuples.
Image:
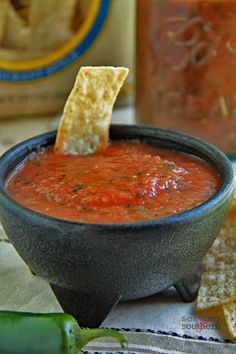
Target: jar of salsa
[(186, 68)]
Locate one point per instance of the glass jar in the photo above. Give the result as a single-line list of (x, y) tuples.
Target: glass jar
[(186, 68)]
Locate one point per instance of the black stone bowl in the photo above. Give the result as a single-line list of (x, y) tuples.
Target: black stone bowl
[(91, 267)]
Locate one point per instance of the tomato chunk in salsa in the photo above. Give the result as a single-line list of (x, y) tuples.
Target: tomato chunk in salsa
[(128, 182)]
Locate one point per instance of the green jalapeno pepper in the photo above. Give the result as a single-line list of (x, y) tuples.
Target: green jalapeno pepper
[(48, 333)]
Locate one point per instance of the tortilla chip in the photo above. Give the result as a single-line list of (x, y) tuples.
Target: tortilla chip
[(19, 4), (84, 126), (41, 9), (218, 283), (39, 24), (217, 288), (51, 23), (230, 317), (17, 33), (23, 13)]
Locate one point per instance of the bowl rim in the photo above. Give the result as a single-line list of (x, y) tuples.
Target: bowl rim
[(190, 142)]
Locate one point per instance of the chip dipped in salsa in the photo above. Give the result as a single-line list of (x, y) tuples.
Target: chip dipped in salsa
[(129, 181)]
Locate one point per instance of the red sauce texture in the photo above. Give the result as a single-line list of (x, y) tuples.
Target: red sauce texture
[(128, 182)]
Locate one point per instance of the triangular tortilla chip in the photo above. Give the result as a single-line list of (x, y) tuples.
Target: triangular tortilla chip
[(17, 33), (218, 283), (84, 126), (51, 23), (229, 311)]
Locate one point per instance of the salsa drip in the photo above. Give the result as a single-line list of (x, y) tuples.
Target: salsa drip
[(127, 182)]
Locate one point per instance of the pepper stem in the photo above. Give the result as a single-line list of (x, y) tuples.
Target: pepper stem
[(87, 335)]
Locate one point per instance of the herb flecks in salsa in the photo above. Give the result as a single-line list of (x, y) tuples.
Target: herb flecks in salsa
[(127, 182)]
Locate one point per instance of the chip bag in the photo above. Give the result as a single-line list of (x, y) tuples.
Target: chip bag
[(43, 43)]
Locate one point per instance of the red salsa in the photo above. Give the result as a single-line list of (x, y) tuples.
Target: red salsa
[(129, 181)]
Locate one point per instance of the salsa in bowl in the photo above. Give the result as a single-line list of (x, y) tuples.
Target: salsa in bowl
[(91, 265), (129, 181)]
